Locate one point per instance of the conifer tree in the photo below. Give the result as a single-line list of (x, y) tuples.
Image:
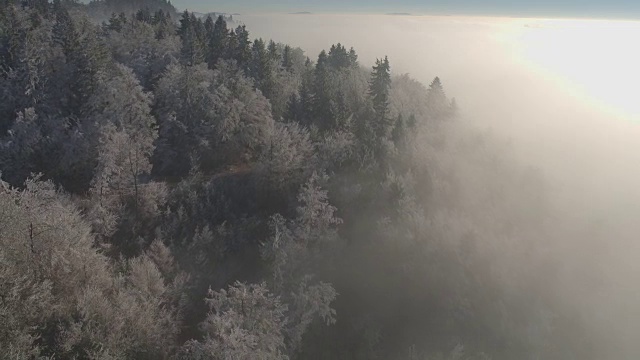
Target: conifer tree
[(218, 40), (240, 47), (208, 26), (262, 68), (379, 91), (191, 32), (85, 60), (273, 52), (437, 101), (287, 60), (322, 92)]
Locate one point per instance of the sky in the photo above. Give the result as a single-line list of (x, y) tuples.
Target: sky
[(527, 8)]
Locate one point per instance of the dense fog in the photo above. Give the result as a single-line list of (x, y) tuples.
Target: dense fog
[(531, 90), (209, 186)]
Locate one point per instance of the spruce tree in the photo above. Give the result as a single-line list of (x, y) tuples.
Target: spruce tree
[(217, 40), (322, 93), (379, 86), (240, 47), (287, 60), (273, 52), (191, 32), (262, 68), (437, 101)]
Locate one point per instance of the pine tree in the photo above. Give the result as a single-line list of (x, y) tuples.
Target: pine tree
[(218, 41), (437, 101), (85, 56), (208, 26), (338, 57), (64, 30), (353, 58), (262, 68), (114, 23), (191, 32), (379, 86), (322, 93), (240, 47), (144, 15), (273, 52), (287, 60)]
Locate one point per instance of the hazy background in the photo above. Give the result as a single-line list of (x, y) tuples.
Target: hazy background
[(541, 8), (563, 93)]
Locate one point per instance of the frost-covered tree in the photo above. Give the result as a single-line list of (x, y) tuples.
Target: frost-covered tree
[(145, 48), (245, 322), (126, 132), (56, 286), (209, 117), (287, 157)]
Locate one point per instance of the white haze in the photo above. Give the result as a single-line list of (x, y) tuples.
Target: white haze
[(565, 94)]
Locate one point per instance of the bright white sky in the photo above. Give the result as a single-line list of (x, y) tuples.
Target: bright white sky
[(598, 60)]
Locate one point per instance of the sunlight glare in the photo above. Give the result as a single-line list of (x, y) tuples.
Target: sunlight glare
[(596, 60)]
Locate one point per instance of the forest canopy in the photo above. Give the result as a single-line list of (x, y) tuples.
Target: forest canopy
[(173, 188)]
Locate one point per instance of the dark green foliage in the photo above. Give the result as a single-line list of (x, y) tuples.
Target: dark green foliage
[(218, 40), (379, 91), (340, 58), (287, 61), (101, 10), (262, 68), (240, 47), (192, 34)]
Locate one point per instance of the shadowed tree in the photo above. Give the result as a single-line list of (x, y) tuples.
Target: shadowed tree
[(218, 40)]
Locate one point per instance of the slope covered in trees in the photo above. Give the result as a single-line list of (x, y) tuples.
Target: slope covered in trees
[(173, 188), (102, 9)]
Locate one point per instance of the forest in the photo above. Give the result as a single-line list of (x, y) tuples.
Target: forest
[(173, 188)]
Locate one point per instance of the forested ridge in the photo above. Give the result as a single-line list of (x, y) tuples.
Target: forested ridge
[(174, 189)]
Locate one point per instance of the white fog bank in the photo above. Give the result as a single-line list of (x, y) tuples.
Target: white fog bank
[(564, 92)]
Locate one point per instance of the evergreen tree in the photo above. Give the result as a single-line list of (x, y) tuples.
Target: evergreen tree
[(240, 47), (437, 102), (86, 59), (353, 58), (115, 23), (218, 40), (208, 26), (273, 52), (287, 60), (379, 91), (338, 57), (144, 15), (322, 93), (191, 32), (262, 68)]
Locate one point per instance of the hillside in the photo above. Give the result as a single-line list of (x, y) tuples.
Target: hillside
[(173, 188), (101, 10)]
